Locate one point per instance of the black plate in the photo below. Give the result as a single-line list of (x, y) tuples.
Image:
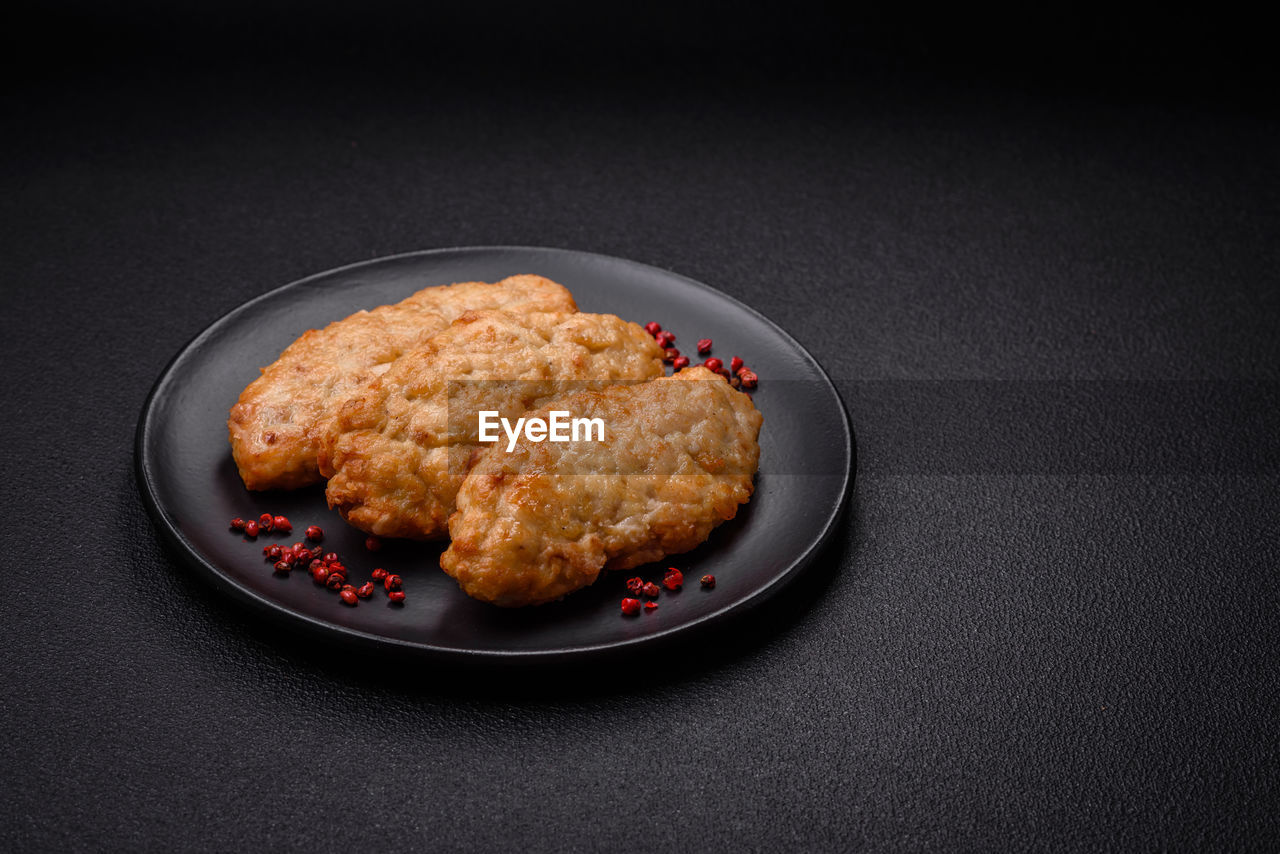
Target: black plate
[(191, 487)]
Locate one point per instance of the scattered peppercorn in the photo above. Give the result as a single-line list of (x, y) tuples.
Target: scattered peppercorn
[(651, 590), (674, 579), (396, 596), (348, 597), (281, 524), (283, 566), (379, 574), (650, 607), (670, 354), (736, 382), (652, 327), (320, 574), (392, 582), (704, 346), (680, 362), (365, 590), (749, 378), (735, 364), (665, 339), (237, 524), (314, 533), (272, 551), (331, 557), (372, 543), (635, 585), (251, 529), (316, 564), (336, 580), (264, 522), (713, 364), (630, 606), (708, 581)]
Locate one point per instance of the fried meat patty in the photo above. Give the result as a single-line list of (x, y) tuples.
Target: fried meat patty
[(276, 425), (396, 454), (541, 521)]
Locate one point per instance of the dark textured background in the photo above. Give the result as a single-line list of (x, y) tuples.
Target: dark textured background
[(1050, 620)]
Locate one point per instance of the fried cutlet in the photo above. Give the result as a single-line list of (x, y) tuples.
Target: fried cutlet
[(543, 520), (396, 454), (276, 425)]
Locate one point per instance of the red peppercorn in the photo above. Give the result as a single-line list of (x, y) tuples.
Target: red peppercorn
[(237, 524), (670, 354), (379, 574), (320, 574), (652, 328), (630, 606), (665, 339), (251, 529), (272, 551), (708, 581), (704, 346), (680, 362), (735, 364), (714, 364), (348, 587), (316, 564), (314, 533), (748, 377), (317, 553), (365, 590), (331, 557), (651, 590), (283, 566), (336, 567), (348, 597), (396, 596), (674, 579), (336, 580), (650, 607), (281, 524), (372, 543), (392, 582), (635, 585), (264, 522)]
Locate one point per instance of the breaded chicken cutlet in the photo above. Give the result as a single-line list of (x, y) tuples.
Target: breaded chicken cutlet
[(396, 454), (543, 520), (276, 425)]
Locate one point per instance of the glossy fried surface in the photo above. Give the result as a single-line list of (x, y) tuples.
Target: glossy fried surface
[(276, 425), (678, 459), (396, 454)]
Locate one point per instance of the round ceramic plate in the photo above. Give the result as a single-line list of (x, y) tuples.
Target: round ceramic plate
[(190, 485)]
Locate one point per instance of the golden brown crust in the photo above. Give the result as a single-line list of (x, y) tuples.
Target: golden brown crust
[(396, 454), (276, 425), (543, 520)]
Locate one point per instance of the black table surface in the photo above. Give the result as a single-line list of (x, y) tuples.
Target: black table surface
[(1049, 619)]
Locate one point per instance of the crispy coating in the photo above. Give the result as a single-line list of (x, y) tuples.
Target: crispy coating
[(396, 455), (276, 425), (542, 521)]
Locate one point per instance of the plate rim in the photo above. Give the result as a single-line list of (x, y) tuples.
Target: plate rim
[(228, 585)]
